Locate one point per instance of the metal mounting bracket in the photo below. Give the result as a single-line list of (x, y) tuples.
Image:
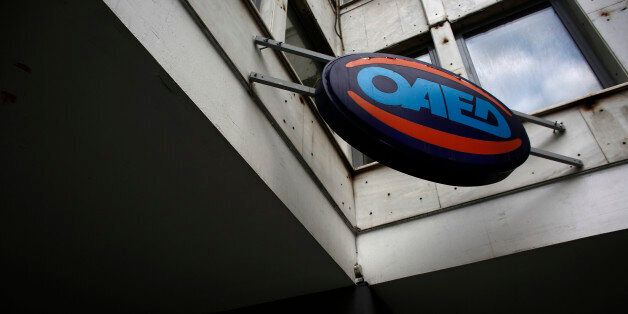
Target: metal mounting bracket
[(309, 91), (277, 45)]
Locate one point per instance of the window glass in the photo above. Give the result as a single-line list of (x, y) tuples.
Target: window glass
[(425, 58), (257, 4), (308, 70), (531, 62)]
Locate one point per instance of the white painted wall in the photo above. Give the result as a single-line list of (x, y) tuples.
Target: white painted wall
[(582, 206), (274, 15), (610, 18), (595, 136), (374, 25)]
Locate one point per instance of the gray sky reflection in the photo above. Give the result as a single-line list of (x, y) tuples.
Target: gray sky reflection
[(531, 63)]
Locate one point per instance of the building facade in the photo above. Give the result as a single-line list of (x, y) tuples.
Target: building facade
[(145, 172)]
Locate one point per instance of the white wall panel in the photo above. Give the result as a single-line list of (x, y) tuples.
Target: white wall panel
[(447, 49), (608, 121), (457, 9), (434, 11), (384, 195), (612, 24), (378, 24), (354, 31), (231, 24), (577, 142), (274, 14), (589, 6), (579, 207)]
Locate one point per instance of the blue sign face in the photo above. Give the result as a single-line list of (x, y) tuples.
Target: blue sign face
[(421, 120)]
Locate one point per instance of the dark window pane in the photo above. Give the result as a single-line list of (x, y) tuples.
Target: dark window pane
[(531, 62), (257, 4), (308, 70)]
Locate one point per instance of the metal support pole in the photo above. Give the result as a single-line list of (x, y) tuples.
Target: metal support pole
[(555, 157), (281, 84), (540, 121), (309, 91), (267, 42)]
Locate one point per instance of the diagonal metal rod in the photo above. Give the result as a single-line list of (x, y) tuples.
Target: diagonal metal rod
[(555, 157), (267, 42), (309, 91), (540, 121), (281, 84)]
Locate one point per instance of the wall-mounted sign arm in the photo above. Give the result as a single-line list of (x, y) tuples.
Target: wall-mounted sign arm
[(540, 121), (277, 45), (281, 84), (309, 91), (555, 157)]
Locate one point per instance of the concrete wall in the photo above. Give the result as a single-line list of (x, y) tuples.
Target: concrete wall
[(373, 25), (279, 134), (610, 18), (325, 16), (595, 134), (387, 196), (273, 13), (410, 226), (579, 207), (275, 131)]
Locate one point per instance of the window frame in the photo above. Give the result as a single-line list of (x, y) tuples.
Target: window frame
[(348, 3), (599, 70), (429, 50)]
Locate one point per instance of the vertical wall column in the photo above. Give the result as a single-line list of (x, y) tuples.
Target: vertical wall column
[(447, 48), (443, 37), (434, 12), (274, 13)]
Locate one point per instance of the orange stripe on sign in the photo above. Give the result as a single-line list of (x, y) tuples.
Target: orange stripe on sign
[(426, 68), (436, 137)]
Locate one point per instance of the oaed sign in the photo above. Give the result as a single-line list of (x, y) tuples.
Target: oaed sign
[(421, 119)]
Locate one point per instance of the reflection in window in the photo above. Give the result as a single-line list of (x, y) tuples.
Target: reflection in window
[(425, 58), (308, 70), (531, 62)]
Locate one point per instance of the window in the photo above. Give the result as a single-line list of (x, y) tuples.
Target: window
[(424, 57), (308, 70), (257, 4), (530, 62), (344, 2)]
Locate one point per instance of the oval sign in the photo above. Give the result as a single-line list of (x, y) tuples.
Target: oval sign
[(421, 119)]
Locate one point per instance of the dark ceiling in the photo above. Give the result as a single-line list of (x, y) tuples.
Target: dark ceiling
[(584, 276), (117, 193)]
